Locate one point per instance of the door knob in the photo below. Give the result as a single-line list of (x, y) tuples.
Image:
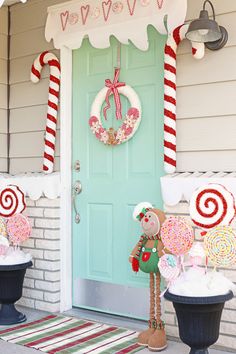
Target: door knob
[(77, 189)]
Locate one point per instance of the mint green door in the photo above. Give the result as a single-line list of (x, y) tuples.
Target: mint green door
[(114, 179)]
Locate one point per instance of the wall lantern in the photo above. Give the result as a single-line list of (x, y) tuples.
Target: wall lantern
[(206, 30)]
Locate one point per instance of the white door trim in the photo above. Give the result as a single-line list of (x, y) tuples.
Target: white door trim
[(66, 178)]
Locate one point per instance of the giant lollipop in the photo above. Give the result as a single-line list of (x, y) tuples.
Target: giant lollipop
[(177, 236), (220, 246), (12, 201), (18, 228), (212, 205)]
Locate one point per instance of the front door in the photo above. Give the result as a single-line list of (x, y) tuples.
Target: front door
[(115, 178)]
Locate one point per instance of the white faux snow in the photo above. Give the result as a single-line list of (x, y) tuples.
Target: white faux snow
[(15, 256), (194, 282)]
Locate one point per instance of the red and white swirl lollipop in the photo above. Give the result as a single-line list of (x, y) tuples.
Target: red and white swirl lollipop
[(12, 201), (18, 229), (212, 205)]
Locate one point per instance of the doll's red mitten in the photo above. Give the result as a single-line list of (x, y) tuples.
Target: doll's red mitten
[(135, 265)]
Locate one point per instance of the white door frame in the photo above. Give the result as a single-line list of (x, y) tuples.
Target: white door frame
[(66, 179)]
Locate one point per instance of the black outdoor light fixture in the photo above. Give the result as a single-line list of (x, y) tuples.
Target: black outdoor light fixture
[(206, 30)]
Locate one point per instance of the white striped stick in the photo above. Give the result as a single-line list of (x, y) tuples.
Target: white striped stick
[(53, 98), (198, 51)]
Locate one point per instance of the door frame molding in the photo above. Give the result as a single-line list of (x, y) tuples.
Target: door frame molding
[(66, 180)]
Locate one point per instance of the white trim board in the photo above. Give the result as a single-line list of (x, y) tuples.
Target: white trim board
[(66, 178)]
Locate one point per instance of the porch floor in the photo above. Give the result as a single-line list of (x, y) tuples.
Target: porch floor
[(32, 315)]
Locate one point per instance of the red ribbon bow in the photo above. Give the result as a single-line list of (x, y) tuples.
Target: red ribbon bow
[(113, 88)]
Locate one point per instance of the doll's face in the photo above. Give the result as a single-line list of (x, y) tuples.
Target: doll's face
[(150, 224)]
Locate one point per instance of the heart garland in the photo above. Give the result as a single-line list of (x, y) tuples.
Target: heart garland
[(106, 8), (131, 6), (64, 19), (160, 3), (84, 13)]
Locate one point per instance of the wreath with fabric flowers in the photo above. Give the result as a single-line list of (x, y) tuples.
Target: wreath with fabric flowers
[(132, 119)]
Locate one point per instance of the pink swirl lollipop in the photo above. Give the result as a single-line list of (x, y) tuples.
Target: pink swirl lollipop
[(177, 236), (12, 201), (212, 205), (18, 228)]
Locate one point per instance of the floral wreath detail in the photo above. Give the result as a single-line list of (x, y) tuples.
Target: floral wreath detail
[(131, 121)]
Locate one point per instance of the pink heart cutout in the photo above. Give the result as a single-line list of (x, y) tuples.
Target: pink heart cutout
[(160, 3), (106, 7), (64, 19), (84, 13), (131, 6)]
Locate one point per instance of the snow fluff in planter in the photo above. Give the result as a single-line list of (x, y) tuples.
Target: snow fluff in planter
[(199, 319)]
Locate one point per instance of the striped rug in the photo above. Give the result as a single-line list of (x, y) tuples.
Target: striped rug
[(60, 334)]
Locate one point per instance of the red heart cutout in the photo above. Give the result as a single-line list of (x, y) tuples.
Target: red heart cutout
[(64, 19), (84, 13), (106, 7)]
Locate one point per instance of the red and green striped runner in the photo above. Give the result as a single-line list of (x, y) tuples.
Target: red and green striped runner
[(60, 335)]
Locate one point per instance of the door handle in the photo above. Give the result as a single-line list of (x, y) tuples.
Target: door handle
[(77, 189)]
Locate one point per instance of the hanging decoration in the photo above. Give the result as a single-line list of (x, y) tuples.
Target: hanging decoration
[(212, 205), (52, 112), (133, 117), (68, 23), (174, 39), (12, 201)]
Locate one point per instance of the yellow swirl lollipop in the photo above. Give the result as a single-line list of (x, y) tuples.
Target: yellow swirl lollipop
[(220, 246)]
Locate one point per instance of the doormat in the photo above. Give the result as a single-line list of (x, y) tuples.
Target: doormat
[(60, 334)]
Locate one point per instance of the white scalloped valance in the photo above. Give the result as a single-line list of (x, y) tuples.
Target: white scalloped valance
[(34, 185), (181, 186), (127, 20)]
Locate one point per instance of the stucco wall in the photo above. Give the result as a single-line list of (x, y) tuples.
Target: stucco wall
[(206, 104), (3, 87)]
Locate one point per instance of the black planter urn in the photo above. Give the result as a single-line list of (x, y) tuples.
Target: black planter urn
[(199, 319), (11, 285)]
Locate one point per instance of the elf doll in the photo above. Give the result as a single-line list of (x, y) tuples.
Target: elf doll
[(145, 257)]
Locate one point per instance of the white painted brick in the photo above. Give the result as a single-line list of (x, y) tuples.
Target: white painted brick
[(230, 274), (231, 304), (228, 328), (26, 302), (45, 306), (32, 222), (35, 274), (52, 234), (29, 243), (44, 202), (52, 297), (181, 208), (47, 223), (169, 319), (168, 306), (47, 286), (37, 233), (33, 294), (172, 331), (29, 283), (34, 252), (30, 202), (46, 265), (229, 316), (52, 255), (52, 212), (52, 276), (35, 212), (48, 244), (227, 341)]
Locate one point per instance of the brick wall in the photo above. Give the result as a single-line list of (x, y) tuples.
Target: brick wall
[(42, 282), (227, 337)]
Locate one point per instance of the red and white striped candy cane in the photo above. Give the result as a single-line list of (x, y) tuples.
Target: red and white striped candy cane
[(52, 112), (198, 51)]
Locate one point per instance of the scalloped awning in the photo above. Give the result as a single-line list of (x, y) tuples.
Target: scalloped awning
[(127, 20)]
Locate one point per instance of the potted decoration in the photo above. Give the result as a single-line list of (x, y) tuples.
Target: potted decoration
[(199, 294), (14, 229)]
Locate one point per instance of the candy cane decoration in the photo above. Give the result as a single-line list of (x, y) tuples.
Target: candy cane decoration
[(54, 88), (198, 51)]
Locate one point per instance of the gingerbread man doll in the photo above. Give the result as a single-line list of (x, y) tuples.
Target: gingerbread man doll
[(145, 256)]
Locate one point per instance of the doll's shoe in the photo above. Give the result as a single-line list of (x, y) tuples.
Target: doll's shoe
[(144, 336), (157, 341)]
